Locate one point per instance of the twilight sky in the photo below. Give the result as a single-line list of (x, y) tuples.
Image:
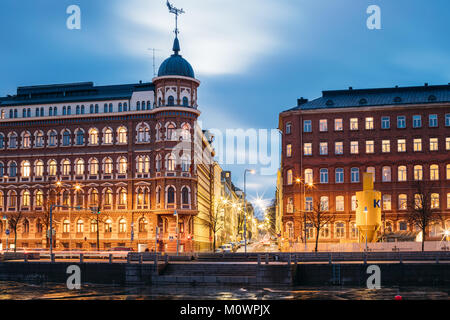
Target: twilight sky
[(253, 57)]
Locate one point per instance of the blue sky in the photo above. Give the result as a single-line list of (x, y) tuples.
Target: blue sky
[(254, 57)]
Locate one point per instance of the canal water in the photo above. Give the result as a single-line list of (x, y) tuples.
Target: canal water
[(28, 291)]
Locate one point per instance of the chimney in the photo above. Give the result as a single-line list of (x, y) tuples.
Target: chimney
[(350, 88), (426, 84), (301, 101)]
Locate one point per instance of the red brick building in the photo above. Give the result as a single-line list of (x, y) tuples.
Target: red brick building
[(113, 147), (400, 134)]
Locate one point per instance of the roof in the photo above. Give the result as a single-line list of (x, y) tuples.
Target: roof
[(377, 97), (71, 92), (176, 65)]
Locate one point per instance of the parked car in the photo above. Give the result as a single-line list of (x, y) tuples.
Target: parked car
[(219, 250), (228, 248)]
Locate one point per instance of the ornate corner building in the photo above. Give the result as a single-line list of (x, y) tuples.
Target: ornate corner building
[(115, 148), (402, 135)]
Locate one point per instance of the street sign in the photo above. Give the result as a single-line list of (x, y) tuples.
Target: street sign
[(4, 218), (175, 213), (7, 232)]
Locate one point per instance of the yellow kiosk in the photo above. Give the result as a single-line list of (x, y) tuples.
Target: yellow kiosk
[(368, 210)]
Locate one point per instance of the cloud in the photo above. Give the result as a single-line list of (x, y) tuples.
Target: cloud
[(217, 37)]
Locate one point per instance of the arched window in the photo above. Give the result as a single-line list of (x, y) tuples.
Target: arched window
[(171, 132), (91, 108), (418, 172), (93, 198), (79, 198), (158, 132), (170, 164), (26, 226), (402, 174), (186, 132), (158, 161), (108, 226), (26, 169), (340, 230), (339, 175), (108, 197), (66, 168), (39, 226), (386, 174), (105, 108), (26, 140), (108, 136), (143, 225), (39, 198), (185, 102), (108, 164), (149, 105), (123, 166), (12, 140), (39, 139), (143, 132), (82, 109), (93, 166), (53, 139), (93, 137), (122, 226), (186, 163), (388, 226), (434, 172), (158, 195), (12, 199), (123, 197), (2, 141), (289, 177), (170, 195), (26, 199), (80, 137), (2, 170), (110, 107), (78, 110), (52, 168), (185, 196), (94, 226), (66, 198), (13, 169), (122, 135), (138, 106), (79, 167), (66, 226), (80, 226), (171, 101)]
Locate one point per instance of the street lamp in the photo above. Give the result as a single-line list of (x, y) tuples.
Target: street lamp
[(245, 204)]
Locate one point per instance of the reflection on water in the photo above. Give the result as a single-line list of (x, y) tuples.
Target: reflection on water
[(26, 291)]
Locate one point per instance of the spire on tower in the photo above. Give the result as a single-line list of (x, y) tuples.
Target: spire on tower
[(176, 12)]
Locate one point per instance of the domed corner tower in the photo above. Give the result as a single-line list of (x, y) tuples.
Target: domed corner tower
[(175, 85)]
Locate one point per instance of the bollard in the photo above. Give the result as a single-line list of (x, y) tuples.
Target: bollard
[(141, 258), (81, 258), (110, 258), (259, 259), (267, 258)]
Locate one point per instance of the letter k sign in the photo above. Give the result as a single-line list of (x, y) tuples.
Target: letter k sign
[(376, 203)]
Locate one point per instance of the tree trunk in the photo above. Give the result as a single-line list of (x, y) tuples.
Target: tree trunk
[(423, 239), (317, 239), (15, 240)]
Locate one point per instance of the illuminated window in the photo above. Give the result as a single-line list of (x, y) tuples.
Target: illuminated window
[(354, 124), (66, 226), (170, 163), (122, 226), (339, 148), (93, 166), (338, 125), (26, 140), (370, 146), (309, 179), (122, 135), (185, 133), (418, 172), (52, 168), (434, 145), (324, 148), (434, 172), (108, 136), (386, 174), (402, 202), (108, 166), (324, 203), (371, 170), (289, 150), (123, 166), (417, 143), (26, 169), (108, 226), (123, 197), (386, 146), (93, 137), (447, 144), (354, 230), (323, 125), (80, 226), (309, 231), (66, 168), (143, 225), (448, 171), (401, 145), (403, 226), (79, 167), (369, 123), (26, 199), (108, 197), (325, 231), (289, 177), (340, 230), (307, 149), (435, 201), (387, 202), (402, 173), (340, 203), (171, 132), (39, 198), (448, 200), (354, 147), (94, 226)]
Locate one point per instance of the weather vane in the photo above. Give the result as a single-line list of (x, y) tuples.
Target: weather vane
[(176, 12)]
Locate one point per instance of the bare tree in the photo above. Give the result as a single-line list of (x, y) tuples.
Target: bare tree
[(14, 220), (319, 216), (421, 211), (214, 223)]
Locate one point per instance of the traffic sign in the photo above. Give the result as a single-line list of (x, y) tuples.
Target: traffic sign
[(7, 232)]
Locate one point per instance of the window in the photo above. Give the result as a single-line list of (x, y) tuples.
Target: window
[(170, 195), (80, 137), (309, 231), (369, 123), (323, 125), (93, 166), (289, 178), (171, 101), (402, 174), (354, 147), (323, 148), (340, 230), (123, 166), (307, 149), (448, 200), (448, 171), (122, 135), (66, 138), (401, 145), (418, 173), (79, 167), (66, 168), (288, 128), (26, 140), (371, 170), (434, 144), (185, 102), (38, 170), (13, 169), (386, 146), (323, 175), (402, 201), (354, 124), (324, 203), (80, 226), (108, 226), (143, 225), (387, 202), (108, 166), (26, 169), (185, 133), (52, 168), (26, 198), (171, 132), (433, 120), (289, 150), (447, 144), (170, 163), (185, 196), (122, 197), (325, 231), (401, 122), (122, 226), (2, 141), (417, 143), (386, 174), (39, 198), (340, 203), (339, 148), (434, 172), (94, 226), (385, 122), (93, 137), (307, 126), (354, 203), (417, 121), (355, 175), (435, 201), (66, 226), (53, 140), (108, 197), (158, 161), (447, 120), (309, 178), (370, 146), (354, 230), (108, 136), (13, 141), (338, 125), (339, 175)]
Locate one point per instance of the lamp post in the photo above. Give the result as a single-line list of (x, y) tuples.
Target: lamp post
[(245, 205)]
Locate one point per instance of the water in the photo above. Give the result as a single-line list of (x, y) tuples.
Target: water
[(50, 291)]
